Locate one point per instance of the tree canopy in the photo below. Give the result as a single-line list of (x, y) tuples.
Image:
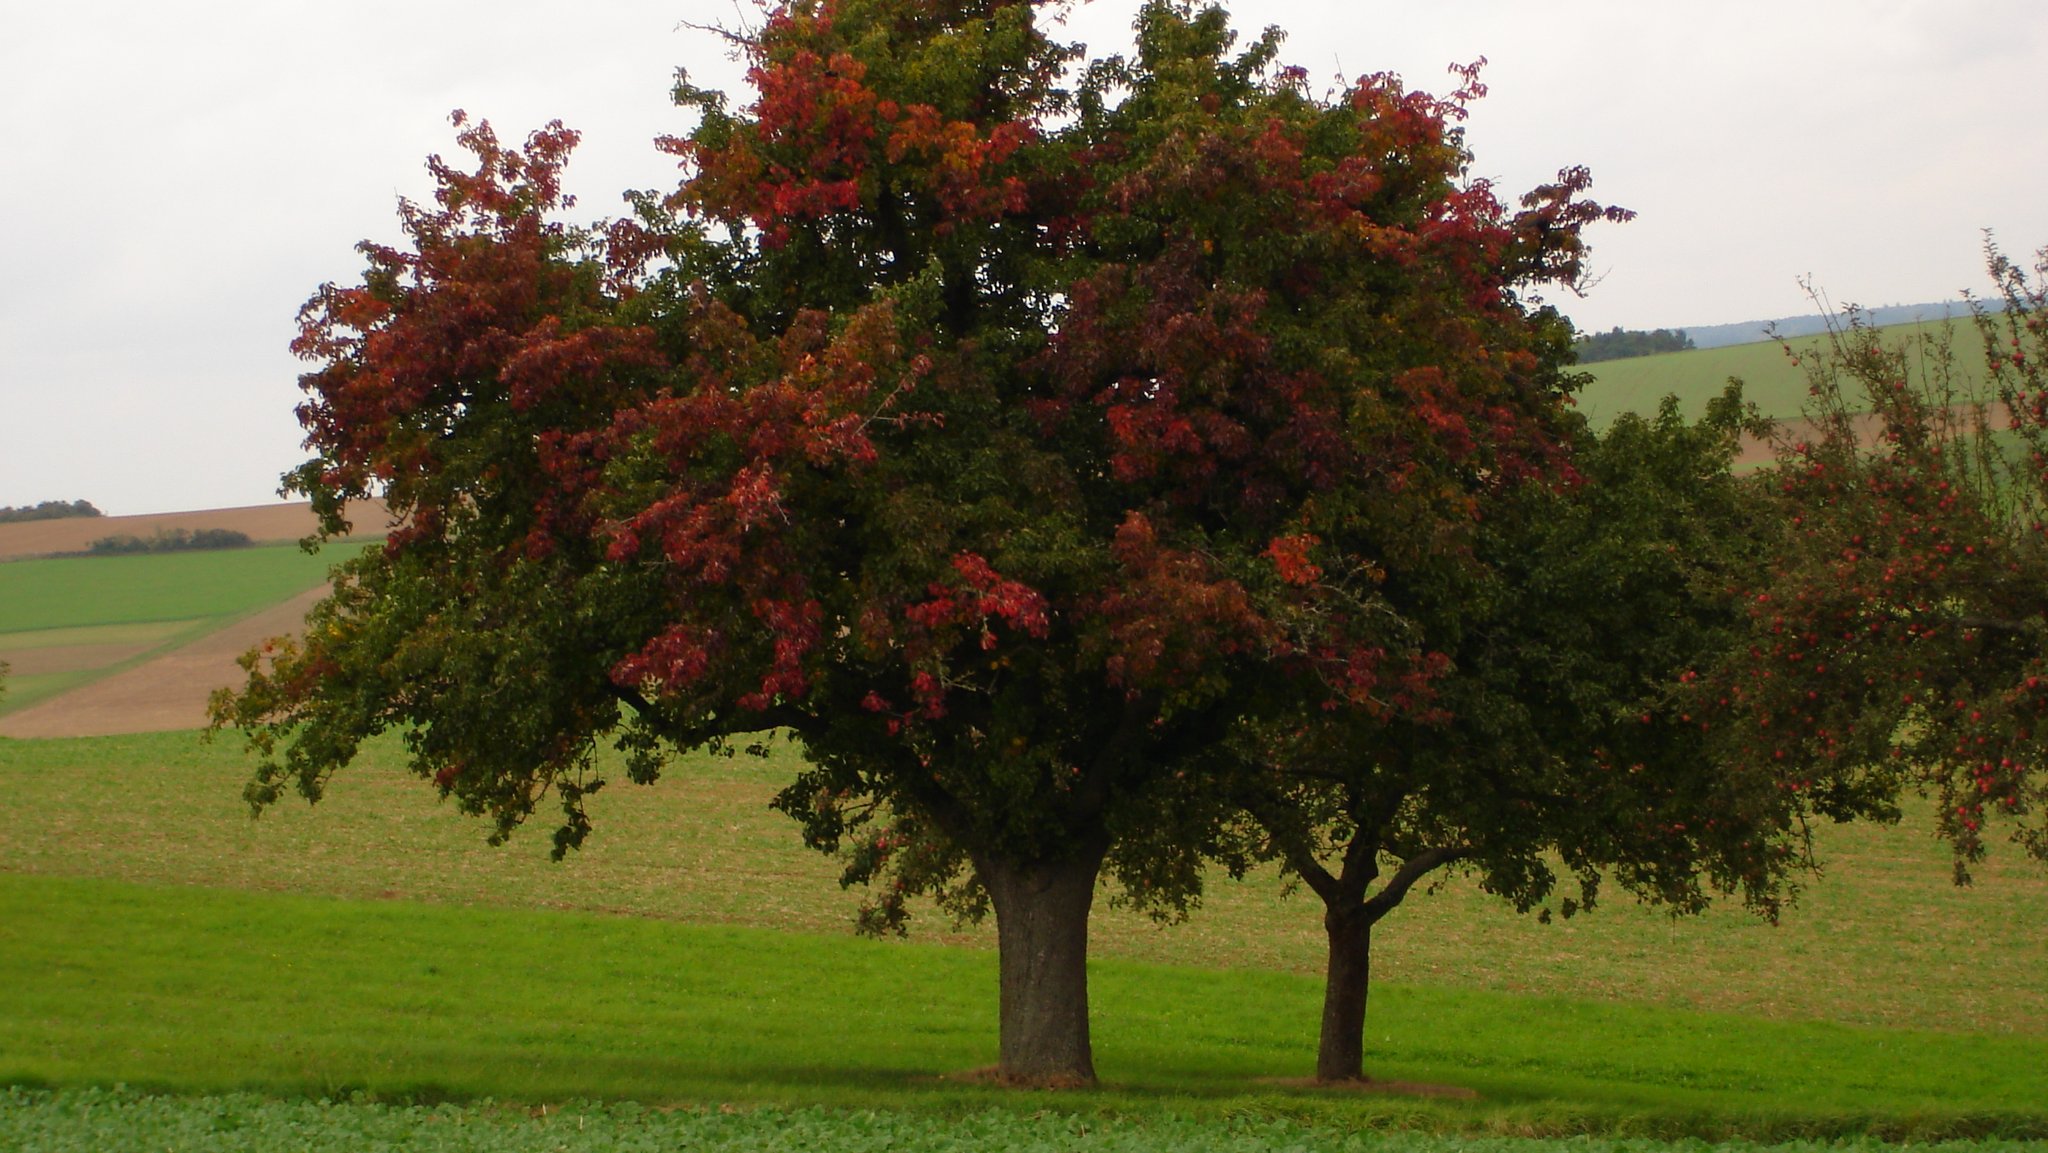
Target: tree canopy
[(1899, 641), (1553, 745), (1003, 425)]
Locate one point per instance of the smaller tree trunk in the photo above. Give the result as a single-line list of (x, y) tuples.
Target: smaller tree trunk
[(1340, 1053), (1042, 948)]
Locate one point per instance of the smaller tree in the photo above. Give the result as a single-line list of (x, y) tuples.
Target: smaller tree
[(1550, 740), (1899, 640)]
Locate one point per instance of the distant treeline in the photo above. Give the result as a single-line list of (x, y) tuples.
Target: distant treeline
[(48, 510), (1620, 343), (174, 540)]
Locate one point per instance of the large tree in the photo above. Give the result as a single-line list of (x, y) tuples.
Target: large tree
[(992, 421), (1899, 641)]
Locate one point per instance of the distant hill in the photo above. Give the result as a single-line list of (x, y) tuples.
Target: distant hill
[(260, 523), (1751, 331), (1773, 382)]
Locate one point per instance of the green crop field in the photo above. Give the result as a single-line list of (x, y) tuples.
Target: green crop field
[(111, 613), (84, 592), (373, 947), (1770, 379)]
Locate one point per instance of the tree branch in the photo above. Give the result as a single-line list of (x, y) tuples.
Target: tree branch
[(1998, 624), (1412, 870), (1312, 874), (779, 716)]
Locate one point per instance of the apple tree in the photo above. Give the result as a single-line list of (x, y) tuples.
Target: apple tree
[(1899, 640)]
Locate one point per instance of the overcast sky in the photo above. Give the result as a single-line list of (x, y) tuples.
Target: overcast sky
[(180, 174)]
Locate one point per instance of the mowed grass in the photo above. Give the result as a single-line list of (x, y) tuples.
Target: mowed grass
[(1770, 380), (199, 990), (152, 934), (1881, 938)]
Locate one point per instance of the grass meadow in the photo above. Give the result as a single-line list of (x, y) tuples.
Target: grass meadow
[(111, 613), (373, 952)]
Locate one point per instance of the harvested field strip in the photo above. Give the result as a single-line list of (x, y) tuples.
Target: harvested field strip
[(23, 691), (167, 688), (261, 523), (197, 990), (69, 658), (42, 672), (1882, 938), (149, 633)]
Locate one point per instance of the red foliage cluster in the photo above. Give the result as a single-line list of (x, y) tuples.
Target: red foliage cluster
[(819, 142)]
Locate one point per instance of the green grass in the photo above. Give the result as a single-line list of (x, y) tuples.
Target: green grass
[(1882, 938), (192, 990), (152, 934), (76, 592), (1770, 380)]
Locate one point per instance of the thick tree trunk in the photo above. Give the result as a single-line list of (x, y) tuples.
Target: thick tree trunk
[(1340, 1053), (1042, 942)]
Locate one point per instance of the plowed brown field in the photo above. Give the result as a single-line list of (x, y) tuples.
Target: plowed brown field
[(266, 522)]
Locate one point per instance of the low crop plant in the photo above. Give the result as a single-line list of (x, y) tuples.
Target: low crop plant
[(102, 1119)]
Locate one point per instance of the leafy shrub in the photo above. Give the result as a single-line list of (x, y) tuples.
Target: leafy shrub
[(169, 540)]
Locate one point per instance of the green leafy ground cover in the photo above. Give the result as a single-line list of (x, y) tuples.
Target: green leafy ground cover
[(1771, 380), (241, 1123)]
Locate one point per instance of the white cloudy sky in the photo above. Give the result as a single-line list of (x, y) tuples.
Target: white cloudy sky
[(180, 174)]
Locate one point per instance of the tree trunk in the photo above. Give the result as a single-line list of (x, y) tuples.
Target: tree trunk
[(1042, 946), (1340, 1053)]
